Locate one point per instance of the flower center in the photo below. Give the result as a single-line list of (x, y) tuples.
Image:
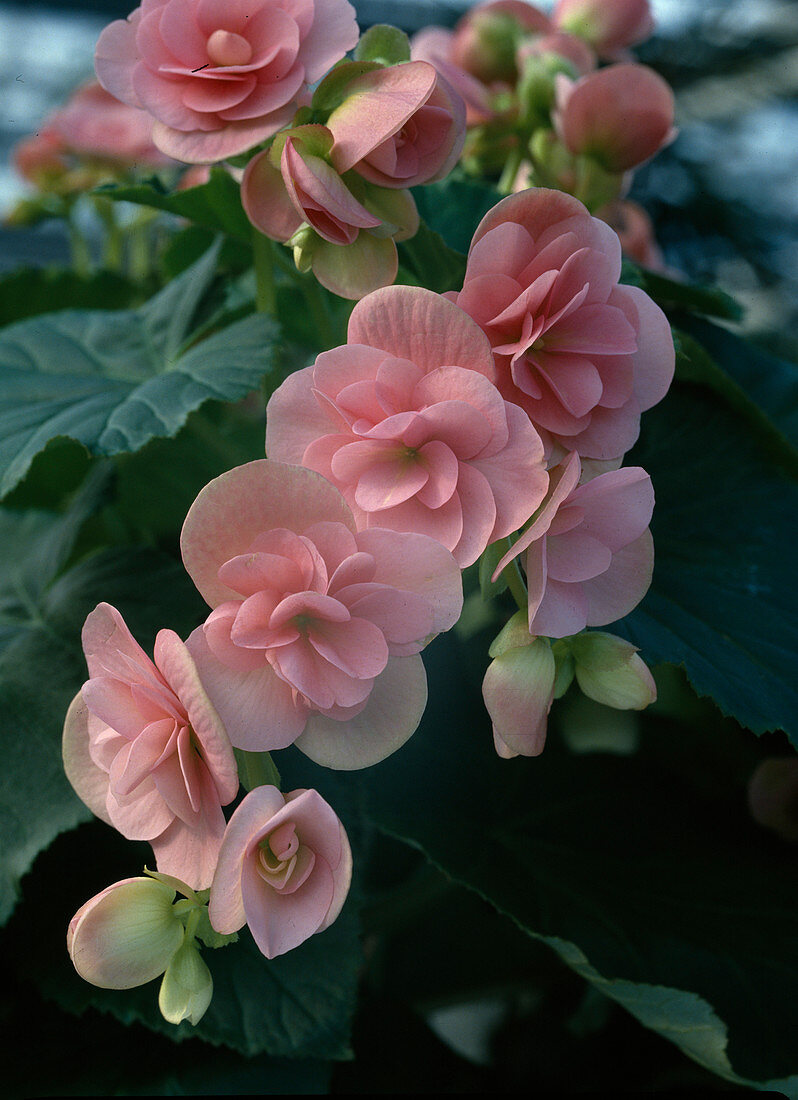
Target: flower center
[(226, 48)]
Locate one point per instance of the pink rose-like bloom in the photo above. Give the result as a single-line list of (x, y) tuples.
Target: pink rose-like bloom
[(317, 627), (95, 124), (406, 421), (620, 116), (589, 554), (399, 126), (284, 869), (219, 76), (146, 751), (581, 354), (610, 26)]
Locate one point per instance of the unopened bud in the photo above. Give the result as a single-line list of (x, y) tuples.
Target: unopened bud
[(518, 690), (187, 986), (609, 670)]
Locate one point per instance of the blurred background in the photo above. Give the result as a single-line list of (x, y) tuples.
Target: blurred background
[(724, 196)]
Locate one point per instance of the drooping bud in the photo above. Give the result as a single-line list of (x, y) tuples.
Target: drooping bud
[(609, 670), (187, 986), (518, 689)]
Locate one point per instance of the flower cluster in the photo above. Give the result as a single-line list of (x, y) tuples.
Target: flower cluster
[(490, 422)]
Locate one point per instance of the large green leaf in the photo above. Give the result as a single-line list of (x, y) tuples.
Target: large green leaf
[(659, 891), (113, 380), (42, 665), (677, 294), (454, 208), (723, 602), (215, 205)]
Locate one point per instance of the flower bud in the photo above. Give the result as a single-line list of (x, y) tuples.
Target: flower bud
[(187, 986), (609, 26), (486, 39), (609, 670), (773, 795), (518, 689), (126, 935)]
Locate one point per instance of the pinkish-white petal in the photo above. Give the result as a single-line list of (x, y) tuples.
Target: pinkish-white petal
[(89, 782)]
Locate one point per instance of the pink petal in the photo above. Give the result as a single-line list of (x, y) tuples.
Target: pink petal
[(281, 922), (334, 31), (257, 707), (536, 209), (576, 557), (619, 590), (563, 610), (390, 717), (234, 508), (89, 782), (655, 357), (115, 58), (416, 324), (516, 474), (355, 270), (198, 147), (618, 506)]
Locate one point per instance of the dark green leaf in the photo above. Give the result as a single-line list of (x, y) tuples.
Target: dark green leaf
[(454, 208), (33, 290), (723, 602), (114, 380), (434, 265), (42, 666), (670, 900), (215, 204), (671, 294)]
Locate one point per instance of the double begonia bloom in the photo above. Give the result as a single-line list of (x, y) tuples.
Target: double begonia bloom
[(609, 26), (284, 869), (317, 626), (399, 126), (581, 354), (146, 751), (619, 116), (219, 76), (588, 554), (406, 421)]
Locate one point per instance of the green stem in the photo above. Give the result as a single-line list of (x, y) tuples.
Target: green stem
[(79, 246), (515, 582), (112, 247), (265, 297), (510, 170), (319, 313), (139, 246)]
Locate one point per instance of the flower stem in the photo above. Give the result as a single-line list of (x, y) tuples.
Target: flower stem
[(515, 582), (319, 312), (510, 170), (265, 298)]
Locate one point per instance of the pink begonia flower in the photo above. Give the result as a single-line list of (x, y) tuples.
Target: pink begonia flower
[(773, 795), (317, 627), (581, 354), (635, 232), (126, 935), (284, 869), (485, 39), (434, 44), (609, 26), (518, 689), (350, 247), (620, 116), (145, 749), (589, 554), (94, 123), (406, 421), (399, 126), (219, 76), (41, 157)]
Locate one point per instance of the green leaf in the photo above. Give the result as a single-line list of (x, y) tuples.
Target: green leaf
[(723, 602), (768, 382), (695, 364), (42, 665), (215, 204), (435, 266), (672, 294), (454, 208), (663, 894), (29, 291), (114, 380)]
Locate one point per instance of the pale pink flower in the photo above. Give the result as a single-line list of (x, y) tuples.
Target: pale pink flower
[(145, 749), (399, 126), (581, 354), (406, 421), (589, 554), (317, 627), (41, 157), (219, 76), (620, 116), (95, 124), (434, 44), (284, 869), (610, 26)]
